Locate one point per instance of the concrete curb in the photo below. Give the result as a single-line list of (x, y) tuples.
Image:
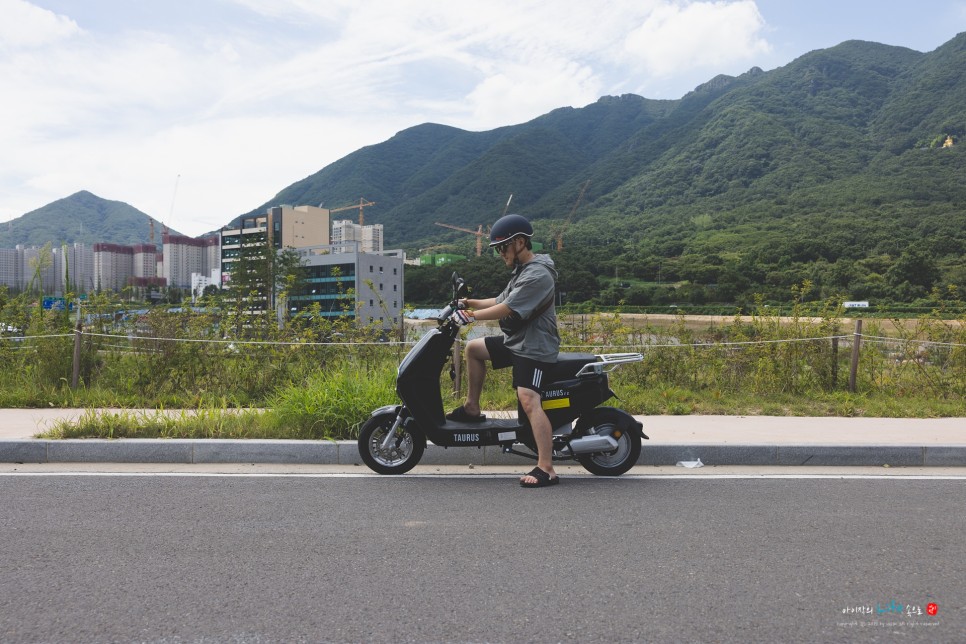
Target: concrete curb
[(188, 451)]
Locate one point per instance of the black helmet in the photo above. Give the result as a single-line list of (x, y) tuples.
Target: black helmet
[(508, 227)]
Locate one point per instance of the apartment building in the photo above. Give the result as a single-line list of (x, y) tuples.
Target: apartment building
[(78, 267), (369, 237), (145, 264), (10, 268), (113, 266), (39, 269), (184, 256), (54, 271)]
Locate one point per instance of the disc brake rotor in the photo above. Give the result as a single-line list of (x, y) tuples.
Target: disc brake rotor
[(396, 453)]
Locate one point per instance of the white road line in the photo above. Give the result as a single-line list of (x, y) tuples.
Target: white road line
[(904, 477), (633, 477)]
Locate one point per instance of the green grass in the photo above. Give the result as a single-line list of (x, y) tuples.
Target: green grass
[(340, 420), (751, 365), (197, 423)]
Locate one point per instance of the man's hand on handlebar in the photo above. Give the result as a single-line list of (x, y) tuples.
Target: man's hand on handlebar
[(462, 317)]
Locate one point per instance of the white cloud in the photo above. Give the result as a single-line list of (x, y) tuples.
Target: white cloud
[(25, 25), (502, 98), (677, 38), (241, 109)]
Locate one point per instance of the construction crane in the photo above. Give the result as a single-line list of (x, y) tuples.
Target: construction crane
[(570, 217), (362, 204), (150, 229), (174, 196), (478, 232)]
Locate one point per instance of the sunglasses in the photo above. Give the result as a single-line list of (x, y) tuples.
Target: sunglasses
[(502, 246)]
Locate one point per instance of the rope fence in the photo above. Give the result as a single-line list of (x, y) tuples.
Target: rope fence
[(884, 340), (132, 343), (248, 342), (396, 343)]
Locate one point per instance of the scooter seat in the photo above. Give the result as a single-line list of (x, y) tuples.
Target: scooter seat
[(568, 364)]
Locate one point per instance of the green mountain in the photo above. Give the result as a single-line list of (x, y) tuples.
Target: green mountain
[(432, 172), (833, 169), (830, 169), (82, 217)]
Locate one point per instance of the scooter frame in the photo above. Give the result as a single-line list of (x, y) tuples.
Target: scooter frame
[(576, 388)]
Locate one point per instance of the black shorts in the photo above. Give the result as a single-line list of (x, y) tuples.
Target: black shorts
[(527, 373)]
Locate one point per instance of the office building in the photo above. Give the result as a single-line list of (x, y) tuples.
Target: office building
[(333, 278), (281, 226)]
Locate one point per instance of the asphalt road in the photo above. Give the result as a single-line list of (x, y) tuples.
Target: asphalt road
[(177, 558)]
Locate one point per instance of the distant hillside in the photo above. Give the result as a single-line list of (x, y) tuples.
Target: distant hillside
[(432, 172), (834, 169), (81, 217), (830, 169)]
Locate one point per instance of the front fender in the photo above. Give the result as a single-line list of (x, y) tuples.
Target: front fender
[(624, 421), (408, 421), (387, 409)]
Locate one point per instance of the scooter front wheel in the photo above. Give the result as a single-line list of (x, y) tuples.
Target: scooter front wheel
[(397, 456)]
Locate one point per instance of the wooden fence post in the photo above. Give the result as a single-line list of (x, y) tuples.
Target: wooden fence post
[(856, 342), (835, 362), (75, 375)]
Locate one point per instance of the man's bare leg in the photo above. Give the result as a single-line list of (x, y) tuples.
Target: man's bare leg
[(542, 432), (476, 357)]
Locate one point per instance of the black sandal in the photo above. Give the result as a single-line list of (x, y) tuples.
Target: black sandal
[(460, 415), (543, 479)]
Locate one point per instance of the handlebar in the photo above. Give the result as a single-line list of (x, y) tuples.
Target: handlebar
[(445, 313), (459, 290)]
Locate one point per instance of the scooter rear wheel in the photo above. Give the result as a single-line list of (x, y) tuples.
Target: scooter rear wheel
[(618, 461), (403, 453)]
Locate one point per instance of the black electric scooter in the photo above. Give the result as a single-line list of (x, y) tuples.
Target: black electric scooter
[(605, 440)]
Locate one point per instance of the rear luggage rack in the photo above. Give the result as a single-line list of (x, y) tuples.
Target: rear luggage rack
[(608, 362)]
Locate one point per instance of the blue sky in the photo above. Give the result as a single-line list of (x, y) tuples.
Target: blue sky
[(195, 111)]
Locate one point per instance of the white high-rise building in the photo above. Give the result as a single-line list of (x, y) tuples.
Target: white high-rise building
[(113, 266), (145, 260), (30, 267), (78, 267), (184, 256), (40, 269), (10, 268), (345, 231)]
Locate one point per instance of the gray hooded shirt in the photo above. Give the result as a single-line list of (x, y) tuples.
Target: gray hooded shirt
[(532, 286)]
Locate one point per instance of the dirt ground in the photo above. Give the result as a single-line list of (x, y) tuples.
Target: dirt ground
[(702, 323)]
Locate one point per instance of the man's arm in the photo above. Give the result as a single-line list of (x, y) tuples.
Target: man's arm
[(495, 312), (479, 304), (488, 309)]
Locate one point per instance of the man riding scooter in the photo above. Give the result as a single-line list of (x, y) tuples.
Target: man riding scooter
[(529, 343)]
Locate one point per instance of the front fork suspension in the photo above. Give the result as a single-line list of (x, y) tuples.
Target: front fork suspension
[(391, 434)]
